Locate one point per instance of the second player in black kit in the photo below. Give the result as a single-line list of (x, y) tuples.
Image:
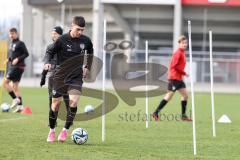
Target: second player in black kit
[(49, 73), (72, 49), (17, 55)]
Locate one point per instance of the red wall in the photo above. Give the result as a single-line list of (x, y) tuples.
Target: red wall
[(211, 3)]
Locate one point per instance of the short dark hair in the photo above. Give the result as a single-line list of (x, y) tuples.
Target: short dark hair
[(13, 30), (79, 20)]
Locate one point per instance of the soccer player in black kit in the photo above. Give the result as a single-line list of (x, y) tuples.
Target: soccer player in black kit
[(70, 49), (48, 73), (17, 54)]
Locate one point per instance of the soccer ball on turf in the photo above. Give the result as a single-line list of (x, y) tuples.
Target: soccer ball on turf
[(79, 136), (88, 109), (5, 107)]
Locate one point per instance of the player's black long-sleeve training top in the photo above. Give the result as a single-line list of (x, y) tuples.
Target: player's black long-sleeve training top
[(53, 60), (18, 50), (67, 48)]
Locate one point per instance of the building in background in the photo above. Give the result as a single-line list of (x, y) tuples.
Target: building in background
[(158, 21)]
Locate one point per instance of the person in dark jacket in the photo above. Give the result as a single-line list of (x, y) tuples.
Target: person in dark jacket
[(71, 49), (48, 73), (17, 54)]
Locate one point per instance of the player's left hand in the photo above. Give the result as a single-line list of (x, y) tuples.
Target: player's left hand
[(42, 82), (85, 72), (15, 61), (47, 66), (187, 75)]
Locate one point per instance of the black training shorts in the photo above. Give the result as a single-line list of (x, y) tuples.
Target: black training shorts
[(174, 85), (72, 87), (15, 73)]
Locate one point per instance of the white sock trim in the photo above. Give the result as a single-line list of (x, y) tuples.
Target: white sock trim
[(52, 130), (65, 129)]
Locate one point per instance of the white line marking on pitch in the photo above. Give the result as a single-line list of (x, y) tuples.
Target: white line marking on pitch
[(12, 119)]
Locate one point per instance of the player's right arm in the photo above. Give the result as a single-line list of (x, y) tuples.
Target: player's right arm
[(47, 58), (46, 66)]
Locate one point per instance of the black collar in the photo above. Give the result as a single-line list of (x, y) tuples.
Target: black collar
[(69, 35), (15, 40)]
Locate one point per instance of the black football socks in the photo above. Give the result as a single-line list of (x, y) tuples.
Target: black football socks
[(12, 94), (52, 118), (20, 98), (184, 107), (161, 105), (70, 116)]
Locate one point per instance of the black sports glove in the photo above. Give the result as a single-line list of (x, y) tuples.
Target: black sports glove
[(43, 77)]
